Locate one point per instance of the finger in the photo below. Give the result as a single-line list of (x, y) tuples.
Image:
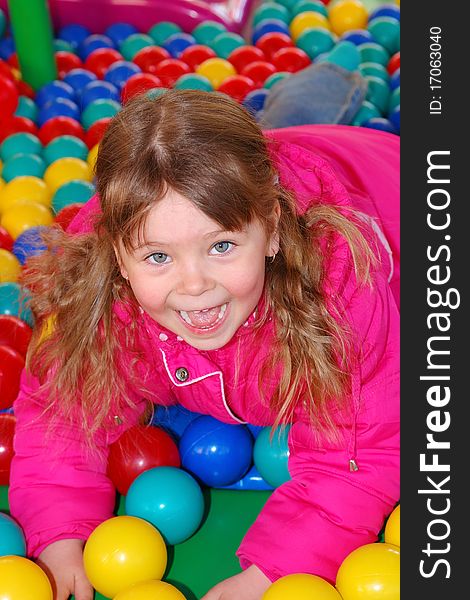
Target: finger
[(83, 589)]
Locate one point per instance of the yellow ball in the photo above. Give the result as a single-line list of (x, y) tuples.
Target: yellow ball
[(23, 215), (121, 552), (92, 155), (371, 572), (10, 266), (216, 70), (25, 187), (150, 589), (392, 527), (22, 579), (64, 170), (307, 20), (301, 586), (345, 15)]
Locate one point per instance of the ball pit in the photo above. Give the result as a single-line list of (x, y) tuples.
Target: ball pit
[(22, 578)]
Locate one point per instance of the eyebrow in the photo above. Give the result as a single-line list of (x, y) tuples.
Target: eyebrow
[(208, 235)]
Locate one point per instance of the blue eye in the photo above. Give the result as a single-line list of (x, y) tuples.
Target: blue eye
[(158, 258), (222, 247)]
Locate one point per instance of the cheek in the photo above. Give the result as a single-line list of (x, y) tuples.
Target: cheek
[(147, 296), (248, 280)]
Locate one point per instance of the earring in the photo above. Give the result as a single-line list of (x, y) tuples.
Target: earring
[(273, 258)]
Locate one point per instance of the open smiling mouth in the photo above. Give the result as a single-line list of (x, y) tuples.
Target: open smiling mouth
[(204, 320)]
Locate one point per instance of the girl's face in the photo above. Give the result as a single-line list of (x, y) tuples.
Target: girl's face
[(196, 280)]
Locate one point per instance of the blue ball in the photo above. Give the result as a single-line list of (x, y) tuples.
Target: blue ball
[(59, 107), (120, 71), (271, 455), (53, 90), (381, 124), (268, 26), (216, 453), (357, 36), (12, 540), (93, 42), (178, 42), (173, 419), (29, 243), (254, 100), (7, 48), (170, 499), (119, 32), (394, 118), (251, 481), (386, 10), (395, 80), (74, 34), (99, 90), (78, 79)]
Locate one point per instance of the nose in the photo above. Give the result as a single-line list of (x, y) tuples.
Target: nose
[(194, 279)]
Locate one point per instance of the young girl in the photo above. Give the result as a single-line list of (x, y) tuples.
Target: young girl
[(243, 275)]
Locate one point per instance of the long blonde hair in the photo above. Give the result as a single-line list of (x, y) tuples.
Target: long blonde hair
[(210, 150)]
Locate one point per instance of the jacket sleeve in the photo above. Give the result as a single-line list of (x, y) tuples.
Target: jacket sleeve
[(313, 521), (58, 488)]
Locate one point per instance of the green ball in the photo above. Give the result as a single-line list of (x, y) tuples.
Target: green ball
[(378, 92), (289, 4), (63, 46), (309, 6), (156, 92), (224, 43), (23, 164), (133, 43), (394, 99), (160, 32), (3, 23), (65, 146), (315, 41), (270, 456), (386, 32), (375, 69), (366, 111), (193, 81), (99, 109), (205, 32), (271, 10), (26, 108), (372, 52), (275, 78), (20, 143), (73, 192)]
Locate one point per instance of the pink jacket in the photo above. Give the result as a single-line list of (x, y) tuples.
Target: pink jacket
[(312, 522)]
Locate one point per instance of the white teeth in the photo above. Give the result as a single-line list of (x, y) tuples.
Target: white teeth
[(222, 310), (185, 316)]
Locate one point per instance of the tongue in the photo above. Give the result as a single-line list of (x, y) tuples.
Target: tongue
[(206, 318)]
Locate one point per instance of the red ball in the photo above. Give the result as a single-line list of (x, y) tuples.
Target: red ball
[(194, 55), (6, 241), (170, 70), (8, 96), (12, 60), (271, 42), (259, 71), (24, 89), (64, 217), (96, 131), (237, 87), (66, 61), (99, 61), (138, 84), (244, 55), (394, 63), (11, 365), (15, 333), (57, 126), (149, 57), (290, 59), (7, 431), (14, 124), (5, 71), (138, 449)]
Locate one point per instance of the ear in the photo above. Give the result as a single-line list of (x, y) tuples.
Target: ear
[(120, 263), (273, 242)]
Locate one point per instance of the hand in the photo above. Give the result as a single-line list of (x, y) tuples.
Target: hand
[(249, 585), (63, 563)]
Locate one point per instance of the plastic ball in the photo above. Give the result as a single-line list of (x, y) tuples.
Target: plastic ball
[(65, 62), (309, 5), (216, 70), (65, 146), (139, 84), (270, 43), (65, 169), (148, 58), (52, 91), (12, 540), (15, 124), (386, 32), (150, 589), (99, 90), (392, 527), (381, 124), (170, 499), (96, 131), (60, 125), (375, 69), (99, 61), (271, 10), (22, 579), (13, 301), (118, 32), (347, 14), (370, 572), (65, 216), (7, 47), (378, 92), (270, 456), (366, 111), (6, 241), (132, 44), (15, 333), (92, 156), (29, 243), (121, 552), (195, 54), (23, 164), (26, 108), (394, 117), (385, 10), (307, 20), (301, 586), (290, 59), (71, 192), (226, 42), (23, 215), (92, 42), (20, 143), (8, 96), (394, 100), (245, 55), (193, 81), (161, 31), (237, 87), (74, 34), (7, 431), (268, 26), (170, 70), (372, 52), (217, 453), (272, 80), (119, 72), (26, 187), (10, 267), (393, 63), (254, 101), (99, 109), (177, 43), (357, 36), (206, 31), (173, 419), (11, 366), (315, 41), (258, 71), (138, 449), (395, 79)]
